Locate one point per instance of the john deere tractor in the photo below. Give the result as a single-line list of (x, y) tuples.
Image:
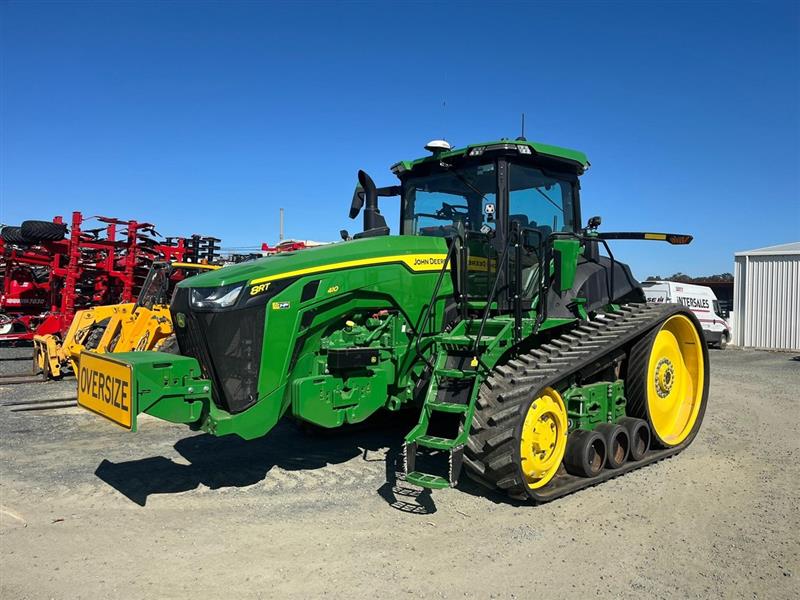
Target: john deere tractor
[(528, 349)]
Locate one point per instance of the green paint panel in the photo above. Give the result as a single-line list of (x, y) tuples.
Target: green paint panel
[(329, 256), (567, 252)]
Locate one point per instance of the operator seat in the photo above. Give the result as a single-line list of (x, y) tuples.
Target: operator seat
[(521, 219)]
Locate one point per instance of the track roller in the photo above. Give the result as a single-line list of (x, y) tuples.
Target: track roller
[(639, 436), (586, 453), (617, 444)]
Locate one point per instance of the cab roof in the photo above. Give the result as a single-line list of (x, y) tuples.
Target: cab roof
[(574, 157)]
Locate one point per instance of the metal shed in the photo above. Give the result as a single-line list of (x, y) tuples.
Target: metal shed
[(766, 298)]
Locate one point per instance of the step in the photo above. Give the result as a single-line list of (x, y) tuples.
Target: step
[(425, 480), (455, 373), (464, 341), (456, 340), (435, 443), (448, 407)]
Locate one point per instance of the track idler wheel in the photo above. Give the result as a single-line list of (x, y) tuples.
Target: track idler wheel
[(667, 380), (639, 436), (617, 444), (586, 453)]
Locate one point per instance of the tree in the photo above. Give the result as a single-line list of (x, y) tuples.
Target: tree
[(684, 278), (680, 277)]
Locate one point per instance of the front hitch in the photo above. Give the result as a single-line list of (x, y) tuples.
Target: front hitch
[(122, 386)]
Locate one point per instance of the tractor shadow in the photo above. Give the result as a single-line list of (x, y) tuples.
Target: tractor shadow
[(223, 462)]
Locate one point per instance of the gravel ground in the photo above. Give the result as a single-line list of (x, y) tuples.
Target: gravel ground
[(90, 511)]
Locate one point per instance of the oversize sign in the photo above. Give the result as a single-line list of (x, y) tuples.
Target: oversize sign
[(104, 387)]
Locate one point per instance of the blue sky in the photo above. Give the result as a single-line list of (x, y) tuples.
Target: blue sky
[(207, 117)]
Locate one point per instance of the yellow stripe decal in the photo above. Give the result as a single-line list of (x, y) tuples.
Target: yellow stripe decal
[(415, 262), (199, 266), (655, 236)]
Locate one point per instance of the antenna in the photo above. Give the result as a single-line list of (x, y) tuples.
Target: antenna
[(445, 112), (521, 138)]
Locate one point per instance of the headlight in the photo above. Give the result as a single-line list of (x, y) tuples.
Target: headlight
[(216, 297)]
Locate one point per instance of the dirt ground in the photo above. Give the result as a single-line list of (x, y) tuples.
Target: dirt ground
[(90, 511)]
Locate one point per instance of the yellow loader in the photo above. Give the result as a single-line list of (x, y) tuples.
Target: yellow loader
[(130, 327)]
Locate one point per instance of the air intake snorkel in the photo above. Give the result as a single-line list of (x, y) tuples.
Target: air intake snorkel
[(366, 196)]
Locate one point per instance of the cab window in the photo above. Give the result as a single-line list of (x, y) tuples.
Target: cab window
[(433, 204), (539, 201)]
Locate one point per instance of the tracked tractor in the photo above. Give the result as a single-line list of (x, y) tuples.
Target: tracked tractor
[(528, 349), (128, 327)]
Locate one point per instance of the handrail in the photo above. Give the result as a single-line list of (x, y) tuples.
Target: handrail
[(435, 294), (492, 292)]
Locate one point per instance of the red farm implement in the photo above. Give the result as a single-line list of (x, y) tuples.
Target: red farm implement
[(49, 271)]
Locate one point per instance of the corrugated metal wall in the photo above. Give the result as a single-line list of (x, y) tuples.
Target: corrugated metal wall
[(766, 298)]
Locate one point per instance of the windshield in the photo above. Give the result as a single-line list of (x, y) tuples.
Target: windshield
[(540, 201), (433, 204)]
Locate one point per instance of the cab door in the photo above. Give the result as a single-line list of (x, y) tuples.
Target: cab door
[(539, 204)]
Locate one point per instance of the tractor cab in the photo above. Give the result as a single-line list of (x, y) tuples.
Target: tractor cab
[(482, 188), (486, 198), (486, 187)]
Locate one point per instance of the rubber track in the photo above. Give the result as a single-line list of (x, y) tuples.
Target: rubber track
[(636, 384), (492, 453)]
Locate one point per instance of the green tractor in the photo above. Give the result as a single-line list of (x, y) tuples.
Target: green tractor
[(535, 363)]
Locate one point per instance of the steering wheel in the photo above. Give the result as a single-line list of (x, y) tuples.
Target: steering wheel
[(452, 212)]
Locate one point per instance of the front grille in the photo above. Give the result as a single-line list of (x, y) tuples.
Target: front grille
[(227, 344)]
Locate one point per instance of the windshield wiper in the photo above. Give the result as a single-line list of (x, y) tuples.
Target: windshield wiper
[(464, 180)]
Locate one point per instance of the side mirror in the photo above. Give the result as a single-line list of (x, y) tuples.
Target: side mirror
[(357, 203)]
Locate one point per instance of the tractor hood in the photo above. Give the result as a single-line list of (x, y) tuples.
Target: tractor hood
[(418, 253), (243, 323)]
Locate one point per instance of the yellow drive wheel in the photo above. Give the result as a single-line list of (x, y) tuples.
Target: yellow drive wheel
[(543, 438), (668, 380)]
